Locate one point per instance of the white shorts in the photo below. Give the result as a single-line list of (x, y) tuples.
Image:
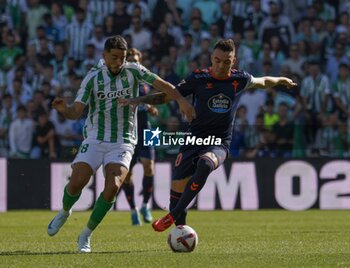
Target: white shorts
[(95, 153)]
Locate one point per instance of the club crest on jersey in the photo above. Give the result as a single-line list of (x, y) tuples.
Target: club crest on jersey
[(113, 94), (220, 103)]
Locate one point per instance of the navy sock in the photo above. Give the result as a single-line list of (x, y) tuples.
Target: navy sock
[(129, 192), (147, 184), (174, 199), (193, 186)]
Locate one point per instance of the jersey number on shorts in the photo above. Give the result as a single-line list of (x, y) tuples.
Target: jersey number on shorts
[(84, 148)]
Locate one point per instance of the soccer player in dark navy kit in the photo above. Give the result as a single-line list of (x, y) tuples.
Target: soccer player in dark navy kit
[(214, 92), (144, 154)]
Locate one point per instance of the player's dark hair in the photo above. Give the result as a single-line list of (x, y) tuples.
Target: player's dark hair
[(134, 51), (117, 42), (226, 45)]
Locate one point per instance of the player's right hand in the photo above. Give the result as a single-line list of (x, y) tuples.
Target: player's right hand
[(187, 110), (59, 104)]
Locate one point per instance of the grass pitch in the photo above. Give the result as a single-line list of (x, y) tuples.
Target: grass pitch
[(265, 238)]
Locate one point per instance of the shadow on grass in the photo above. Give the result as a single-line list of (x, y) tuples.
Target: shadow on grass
[(29, 253)]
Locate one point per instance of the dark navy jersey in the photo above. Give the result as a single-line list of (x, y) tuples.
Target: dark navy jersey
[(214, 101)]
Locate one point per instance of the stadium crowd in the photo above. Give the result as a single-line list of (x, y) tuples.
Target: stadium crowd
[(47, 47)]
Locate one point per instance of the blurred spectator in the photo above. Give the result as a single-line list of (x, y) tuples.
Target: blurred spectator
[(226, 22), (51, 31), (239, 126), (166, 71), (34, 17), (166, 40), (145, 12), (324, 10), (173, 29), (254, 100), (210, 10), (255, 15), (197, 31), (90, 60), (277, 24), (9, 53), (329, 40), (251, 42), (98, 40), (5, 120), (315, 92), (45, 137), (59, 60), (270, 117), (109, 26), (333, 62), (121, 18), (67, 136), (99, 9), (78, 34), (283, 131), (257, 139), (328, 140), (141, 37), (44, 55), (295, 61), (21, 134), (60, 21), (341, 89)]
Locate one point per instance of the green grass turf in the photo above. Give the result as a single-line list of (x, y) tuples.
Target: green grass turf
[(265, 238)]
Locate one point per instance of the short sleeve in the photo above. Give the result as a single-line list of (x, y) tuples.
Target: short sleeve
[(143, 74), (187, 86), (85, 89)]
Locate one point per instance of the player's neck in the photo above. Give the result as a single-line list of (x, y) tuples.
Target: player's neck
[(218, 75)]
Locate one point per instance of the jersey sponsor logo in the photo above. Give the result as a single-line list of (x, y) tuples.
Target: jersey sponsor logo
[(220, 103), (114, 94)]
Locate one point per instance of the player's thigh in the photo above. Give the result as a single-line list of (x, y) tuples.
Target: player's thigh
[(121, 154), (91, 153), (183, 169), (81, 174), (215, 154)]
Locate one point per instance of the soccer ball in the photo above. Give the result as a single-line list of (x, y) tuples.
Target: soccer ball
[(182, 239)]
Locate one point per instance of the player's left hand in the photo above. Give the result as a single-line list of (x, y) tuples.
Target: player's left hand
[(287, 82), (187, 110)]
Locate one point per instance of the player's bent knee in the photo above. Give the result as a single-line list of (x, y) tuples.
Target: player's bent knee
[(205, 164), (208, 158)]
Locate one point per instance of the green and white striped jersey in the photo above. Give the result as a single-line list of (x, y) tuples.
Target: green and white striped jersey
[(107, 120)]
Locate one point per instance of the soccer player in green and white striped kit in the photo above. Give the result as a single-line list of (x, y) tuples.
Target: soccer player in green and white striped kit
[(110, 130)]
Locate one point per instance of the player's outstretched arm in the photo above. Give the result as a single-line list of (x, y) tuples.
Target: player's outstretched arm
[(270, 81), (153, 99), (72, 112)]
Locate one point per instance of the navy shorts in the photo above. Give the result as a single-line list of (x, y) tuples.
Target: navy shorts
[(142, 151), (186, 161)]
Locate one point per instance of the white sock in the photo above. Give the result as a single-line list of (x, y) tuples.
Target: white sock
[(87, 231)]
